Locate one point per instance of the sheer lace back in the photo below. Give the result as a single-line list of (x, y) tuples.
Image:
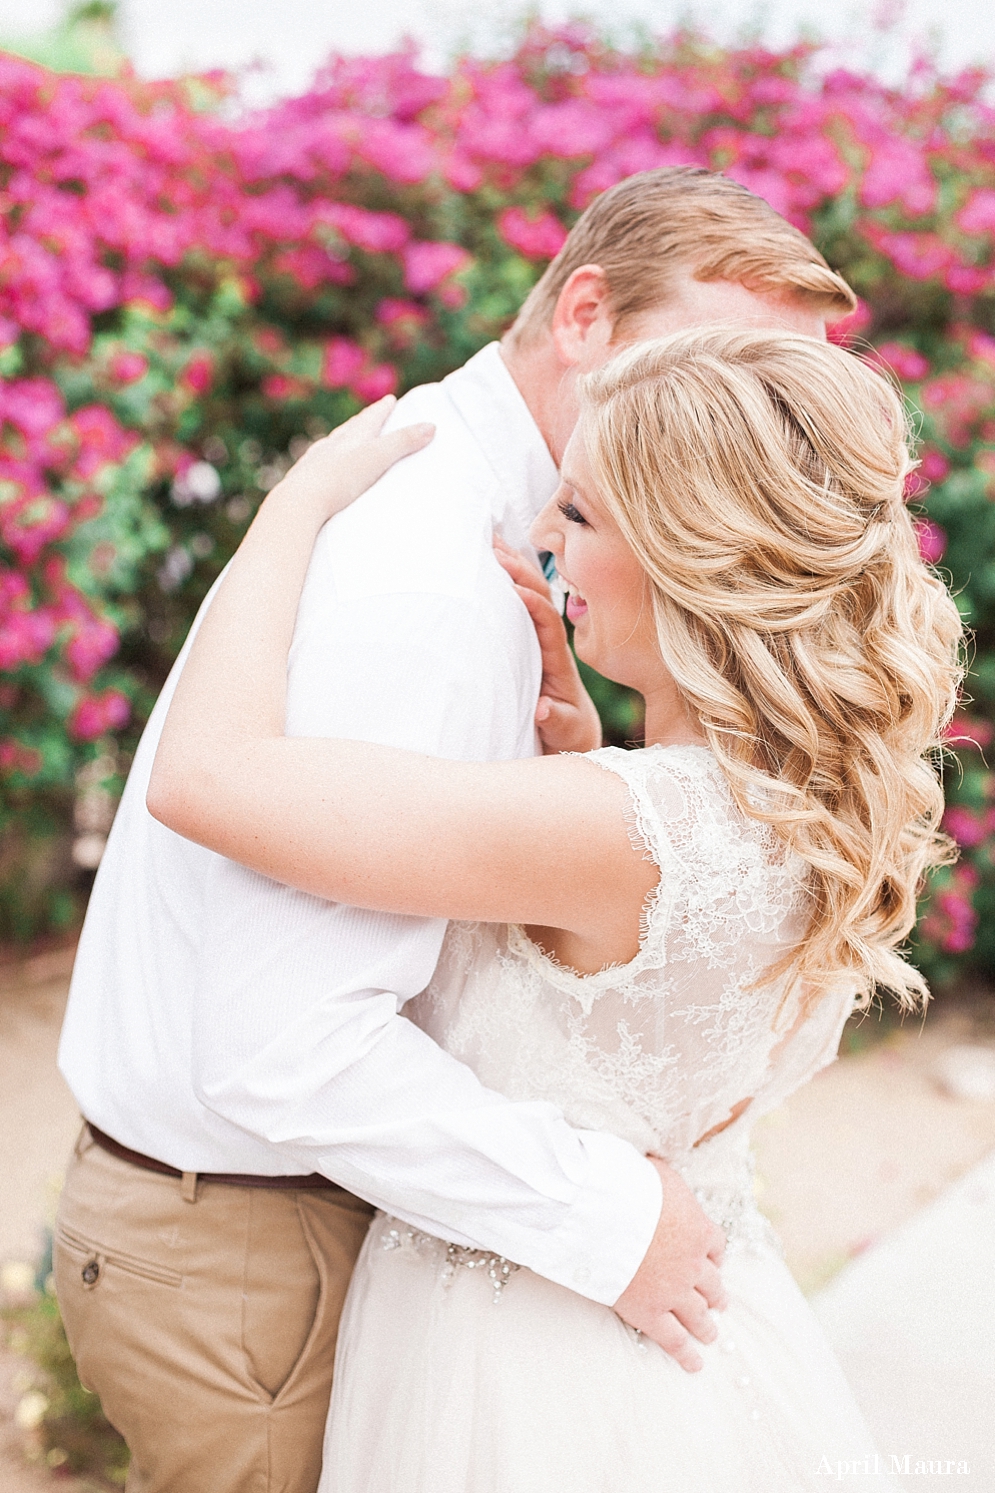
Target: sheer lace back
[(662, 1049)]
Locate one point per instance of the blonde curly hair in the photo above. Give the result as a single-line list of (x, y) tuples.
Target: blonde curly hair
[(759, 478)]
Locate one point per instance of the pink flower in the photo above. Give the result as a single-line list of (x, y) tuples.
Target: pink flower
[(897, 172), (403, 153), (909, 364), (982, 347), (198, 375), (377, 233), (572, 128), (768, 184), (15, 757), (642, 151), (97, 714), (427, 265), (34, 405), (846, 329), (25, 638), (958, 401), (920, 256), (951, 920), (137, 288), (31, 523), (932, 541), (342, 362), (14, 590), (101, 440), (374, 382), (462, 174), (934, 465), (967, 279), (537, 238), (978, 213), (128, 367), (94, 643), (403, 319), (970, 730), (967, 828), (311, 266), (281, 386)]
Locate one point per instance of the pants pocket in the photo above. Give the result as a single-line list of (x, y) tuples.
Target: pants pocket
[(94, 1260), (281, 1293)]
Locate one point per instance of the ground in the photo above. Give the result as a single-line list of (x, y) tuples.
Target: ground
[(865, 1147)]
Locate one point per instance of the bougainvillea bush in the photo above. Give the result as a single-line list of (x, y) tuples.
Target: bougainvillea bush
[(189, 294)]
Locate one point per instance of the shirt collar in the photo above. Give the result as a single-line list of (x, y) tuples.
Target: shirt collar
[(489, 401)]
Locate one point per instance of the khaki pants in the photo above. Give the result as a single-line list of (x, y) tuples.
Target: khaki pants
[(207, 1327)]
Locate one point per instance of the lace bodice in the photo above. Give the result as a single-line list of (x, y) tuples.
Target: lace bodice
[(661, 1049)]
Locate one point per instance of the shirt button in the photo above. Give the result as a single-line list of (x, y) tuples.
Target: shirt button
[(91, 1272)]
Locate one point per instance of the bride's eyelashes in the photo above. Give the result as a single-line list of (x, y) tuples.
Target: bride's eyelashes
[(572, 514)]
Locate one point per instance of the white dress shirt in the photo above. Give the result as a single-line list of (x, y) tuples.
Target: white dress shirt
[(221, 1022)]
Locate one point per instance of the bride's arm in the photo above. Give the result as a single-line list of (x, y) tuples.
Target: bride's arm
[(542, 841)]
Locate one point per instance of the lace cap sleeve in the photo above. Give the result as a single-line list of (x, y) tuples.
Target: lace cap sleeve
[(650, 803), (656, 801)]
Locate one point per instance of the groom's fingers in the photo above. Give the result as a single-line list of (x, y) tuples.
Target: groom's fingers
[(675, 1340), (712, 1287)]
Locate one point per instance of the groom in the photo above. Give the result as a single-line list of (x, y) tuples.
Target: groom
[(249, 1083)]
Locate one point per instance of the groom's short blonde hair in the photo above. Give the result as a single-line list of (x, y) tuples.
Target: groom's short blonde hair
[(651, 226)]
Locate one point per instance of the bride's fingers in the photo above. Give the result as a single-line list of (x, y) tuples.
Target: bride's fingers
[(553, 718), (549, 628), (351, 434), (365, 425), (368, 461), (522, 571), (333, 473)]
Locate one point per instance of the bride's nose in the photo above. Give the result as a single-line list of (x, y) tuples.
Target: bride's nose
[(546, 532)]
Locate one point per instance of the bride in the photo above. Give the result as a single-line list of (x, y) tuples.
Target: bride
[(664, 942)]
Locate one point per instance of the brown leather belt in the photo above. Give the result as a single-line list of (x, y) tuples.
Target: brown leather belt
[(231, 1179)]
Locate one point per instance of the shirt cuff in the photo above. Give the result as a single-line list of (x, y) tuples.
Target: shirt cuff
[(600, 1245)]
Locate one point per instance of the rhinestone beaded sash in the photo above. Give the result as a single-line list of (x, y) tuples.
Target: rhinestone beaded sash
[(736, 1214), (451, 1257)]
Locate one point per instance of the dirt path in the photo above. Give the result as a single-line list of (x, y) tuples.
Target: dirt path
[(871, 1140), (38, 1115), (847, 1159)]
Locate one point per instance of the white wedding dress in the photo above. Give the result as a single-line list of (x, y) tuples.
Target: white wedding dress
[(458, 1372)]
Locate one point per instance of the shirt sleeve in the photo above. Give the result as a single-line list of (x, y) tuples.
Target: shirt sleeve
[(299, 1035)]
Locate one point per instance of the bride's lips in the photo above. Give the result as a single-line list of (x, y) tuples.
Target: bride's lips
[(576, 607)]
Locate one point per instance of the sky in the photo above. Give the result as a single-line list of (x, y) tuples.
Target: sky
[(292, 37)]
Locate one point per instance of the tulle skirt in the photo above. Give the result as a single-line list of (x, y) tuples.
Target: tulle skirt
[(448, 1380)]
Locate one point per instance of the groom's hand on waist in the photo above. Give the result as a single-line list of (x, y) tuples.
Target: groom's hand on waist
[(669, 1297)]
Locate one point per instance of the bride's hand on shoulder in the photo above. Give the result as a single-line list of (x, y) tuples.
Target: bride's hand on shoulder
[(335, 470), (566, 718)]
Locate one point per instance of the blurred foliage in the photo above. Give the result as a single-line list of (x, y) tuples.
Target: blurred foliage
[(190, 295), (70, 1433)]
